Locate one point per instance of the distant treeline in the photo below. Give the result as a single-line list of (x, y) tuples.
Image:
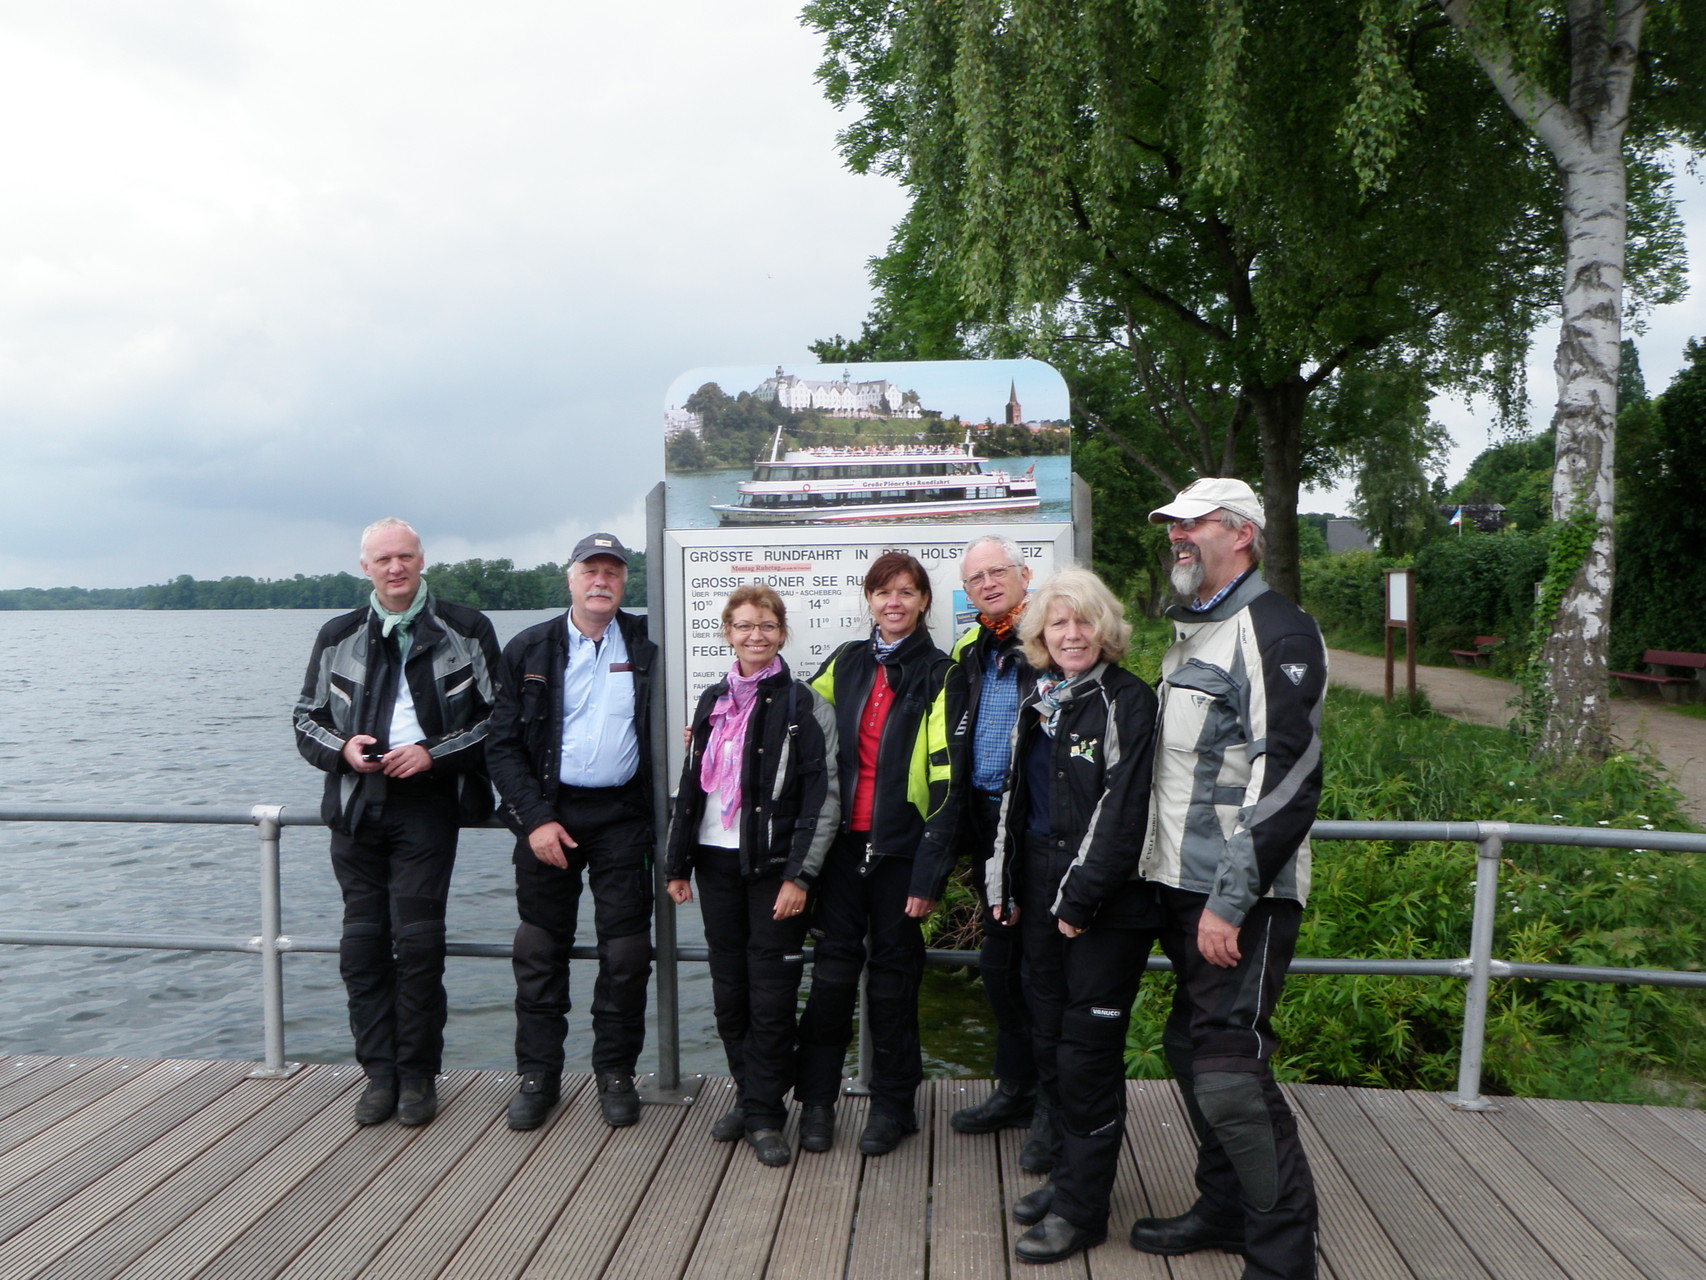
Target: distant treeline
[(484, 584)]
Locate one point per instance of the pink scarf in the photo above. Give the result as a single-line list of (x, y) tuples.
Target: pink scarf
[(719, 770)]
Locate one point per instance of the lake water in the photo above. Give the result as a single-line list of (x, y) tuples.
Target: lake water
[(193, 708)]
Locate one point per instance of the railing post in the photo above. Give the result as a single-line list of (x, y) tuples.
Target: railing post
[(1489, 852), (667, 1085), (272, 969)]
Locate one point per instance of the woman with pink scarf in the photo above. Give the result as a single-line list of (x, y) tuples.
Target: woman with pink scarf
[(758, 804)]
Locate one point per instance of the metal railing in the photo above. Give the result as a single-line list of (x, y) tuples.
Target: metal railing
[(1478, 968)]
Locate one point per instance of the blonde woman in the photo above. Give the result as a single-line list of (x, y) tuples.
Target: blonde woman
[(1065, 868)]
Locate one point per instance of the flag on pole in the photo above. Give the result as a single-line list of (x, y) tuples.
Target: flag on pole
[(1457, 519)]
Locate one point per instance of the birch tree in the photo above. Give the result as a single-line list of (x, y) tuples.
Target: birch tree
[(1570, 73)]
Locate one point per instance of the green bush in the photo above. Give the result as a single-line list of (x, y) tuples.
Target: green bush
[(1558, 905), (1346, 593), (1479, 584), (1467, 585)]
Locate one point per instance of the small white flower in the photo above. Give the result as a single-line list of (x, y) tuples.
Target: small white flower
[(1604, 822), (1646, 826)]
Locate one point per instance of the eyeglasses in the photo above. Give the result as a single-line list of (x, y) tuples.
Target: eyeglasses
[(993, 576), (1190, 525), (747, 628)]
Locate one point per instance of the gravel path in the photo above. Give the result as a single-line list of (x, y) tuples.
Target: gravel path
[(1678, 741)]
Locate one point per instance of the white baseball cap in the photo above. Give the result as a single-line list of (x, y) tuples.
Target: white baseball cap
[(1210, 494)]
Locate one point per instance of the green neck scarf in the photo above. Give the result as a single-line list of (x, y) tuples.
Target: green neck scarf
[(400, 622)]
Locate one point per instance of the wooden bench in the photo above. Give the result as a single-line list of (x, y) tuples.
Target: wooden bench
[(1676, 677), (1481, 655)]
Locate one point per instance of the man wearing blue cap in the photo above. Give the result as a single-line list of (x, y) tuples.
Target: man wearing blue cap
[(570, 753)]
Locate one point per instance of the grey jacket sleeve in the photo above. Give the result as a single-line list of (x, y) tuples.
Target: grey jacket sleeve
[(829, 815)]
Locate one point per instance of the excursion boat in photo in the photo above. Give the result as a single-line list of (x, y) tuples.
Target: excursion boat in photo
[(874, 482)]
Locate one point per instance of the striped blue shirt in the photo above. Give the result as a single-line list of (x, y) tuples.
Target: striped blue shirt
[(997, 709)]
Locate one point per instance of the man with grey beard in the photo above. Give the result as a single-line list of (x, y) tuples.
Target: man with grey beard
[(570, 752), (1237, 781)]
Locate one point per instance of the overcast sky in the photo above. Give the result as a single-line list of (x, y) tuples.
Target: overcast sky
[(268, 271)]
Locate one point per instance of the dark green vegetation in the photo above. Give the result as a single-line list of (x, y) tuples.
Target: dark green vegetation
[(1468, 586), (1557, 905), (1255, 237), (740, 429), (1473, 583), (482, 584)]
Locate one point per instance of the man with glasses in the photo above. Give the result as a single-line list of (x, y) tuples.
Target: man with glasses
[(1237, 781), (570, 754), (996, 579)]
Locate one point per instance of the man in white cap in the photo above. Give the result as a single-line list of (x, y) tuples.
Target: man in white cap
[(570, 753), (1237, 781)]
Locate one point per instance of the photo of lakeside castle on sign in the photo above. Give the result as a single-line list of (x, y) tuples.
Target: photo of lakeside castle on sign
[(942, 441)]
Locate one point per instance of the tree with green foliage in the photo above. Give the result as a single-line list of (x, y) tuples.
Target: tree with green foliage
[(1517, 475), (1662, 521), (1379, 409), (1604, 86), (1217, 207)]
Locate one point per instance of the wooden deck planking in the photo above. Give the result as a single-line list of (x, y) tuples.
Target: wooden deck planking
[(563, 1151), (1414, 1224), (107, 1247), (25, 1080), (816, 1227), (1353, 1243), (76, 1215), (1583, 1253), (1596, 1196), (1489, 1229), (1676, 1208), (258, 1223), (348, 1243), (36, 1136), (1117, 1260), (891, 1232), (73, 1169), (1691, 1124), (1165, 1151), (150, 1169), (255, 1224), (968, 1235), (740, 1228), (630, 1216)]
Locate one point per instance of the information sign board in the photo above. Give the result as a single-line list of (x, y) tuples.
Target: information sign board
[(818, 574)]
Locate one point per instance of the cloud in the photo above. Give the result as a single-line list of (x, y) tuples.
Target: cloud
[(268, 271), (273, 270)]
